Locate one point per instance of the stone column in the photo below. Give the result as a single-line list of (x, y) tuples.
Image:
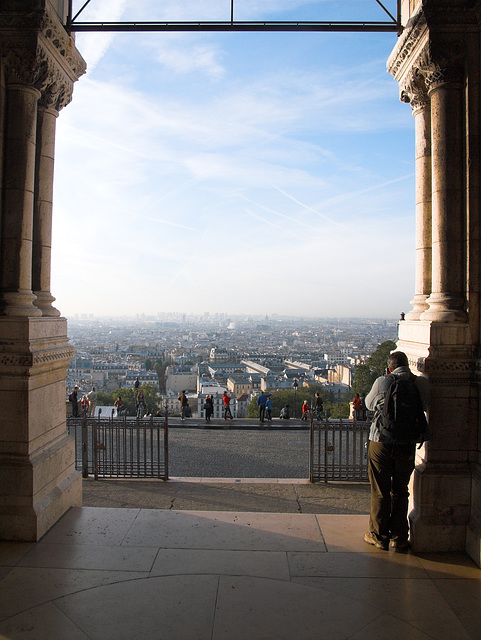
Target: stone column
[(18, 197), (416, 94), (447, 302), (42, 217), (38, 479), (442, 343)]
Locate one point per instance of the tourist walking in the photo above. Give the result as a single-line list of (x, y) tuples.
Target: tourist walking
[(391, 457), (261, 403), (269, 410), (318, 406), (140, 404), (184, 404), (305, 411), (226, 402), (209, 407)]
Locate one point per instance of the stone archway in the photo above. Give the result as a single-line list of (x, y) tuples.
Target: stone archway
[(436, 62)]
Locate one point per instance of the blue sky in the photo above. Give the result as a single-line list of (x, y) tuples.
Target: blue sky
[(234, 172)]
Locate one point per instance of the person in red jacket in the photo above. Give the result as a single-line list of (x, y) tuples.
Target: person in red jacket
[(357, 406), (226, 402), (305, 411)]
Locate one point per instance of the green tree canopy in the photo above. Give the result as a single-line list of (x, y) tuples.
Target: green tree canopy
[(375, 366), (129, 395)]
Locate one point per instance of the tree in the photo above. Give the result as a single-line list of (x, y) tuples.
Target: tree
[(365, 374), (128, 396)]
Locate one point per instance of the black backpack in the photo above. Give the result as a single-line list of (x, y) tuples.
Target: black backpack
[(402, 418)]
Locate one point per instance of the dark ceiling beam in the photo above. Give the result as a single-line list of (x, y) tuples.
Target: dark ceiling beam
[(235, 26)]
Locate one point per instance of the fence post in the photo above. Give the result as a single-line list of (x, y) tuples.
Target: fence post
[(166, 443), (85, 453), (311, 449), (96, 444)]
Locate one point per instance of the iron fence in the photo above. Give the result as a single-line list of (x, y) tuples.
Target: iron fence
[(338, 450), (121, 447)]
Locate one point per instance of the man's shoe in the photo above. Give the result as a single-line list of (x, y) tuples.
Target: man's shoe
[(400, 545), (370, 538)]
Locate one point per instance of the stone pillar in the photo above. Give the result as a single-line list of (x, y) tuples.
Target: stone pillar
[(421, 106), (439, 52), (42, 217), (447, 302), (38, 479), (18, 195)]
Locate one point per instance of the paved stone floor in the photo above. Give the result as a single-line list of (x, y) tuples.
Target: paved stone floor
[(159, 574), (224, 494)]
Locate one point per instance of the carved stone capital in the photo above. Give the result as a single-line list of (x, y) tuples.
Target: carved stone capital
[(428, 48), (442, 63), (25, 67), (36, 51), (415, 92)]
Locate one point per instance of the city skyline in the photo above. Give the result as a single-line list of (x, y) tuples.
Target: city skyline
[(238, 173)]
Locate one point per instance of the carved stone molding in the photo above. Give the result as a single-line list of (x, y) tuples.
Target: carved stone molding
[(63, 44), (29, 360), (407, 45), (53, 356), (428, 48), (430, 366)]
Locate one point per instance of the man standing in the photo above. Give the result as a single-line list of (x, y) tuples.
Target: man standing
[(184, 403), (73, 397), (391, 463), (318, 406), (226, 403), (261, 403)]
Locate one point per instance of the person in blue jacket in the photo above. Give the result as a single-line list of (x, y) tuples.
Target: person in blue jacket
[(261, 403)]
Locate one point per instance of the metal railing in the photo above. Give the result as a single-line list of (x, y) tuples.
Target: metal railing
[(338, 450), (121, 447), (389, 10)]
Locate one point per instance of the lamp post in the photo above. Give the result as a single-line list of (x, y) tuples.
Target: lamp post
[(295, 385)]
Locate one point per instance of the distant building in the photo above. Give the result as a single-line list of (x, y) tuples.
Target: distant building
[(239, 384), (242, 404), (218, 356), (145, 377), (179, 378)]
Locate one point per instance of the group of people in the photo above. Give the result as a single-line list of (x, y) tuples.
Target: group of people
[(88, 402), (264, 402)]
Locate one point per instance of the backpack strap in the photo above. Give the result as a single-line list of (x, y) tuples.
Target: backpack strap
[(387, 397)]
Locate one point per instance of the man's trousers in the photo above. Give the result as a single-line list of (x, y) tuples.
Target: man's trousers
[(390, 468)]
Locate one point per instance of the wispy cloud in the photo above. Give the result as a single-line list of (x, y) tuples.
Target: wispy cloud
[(203, 163)]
